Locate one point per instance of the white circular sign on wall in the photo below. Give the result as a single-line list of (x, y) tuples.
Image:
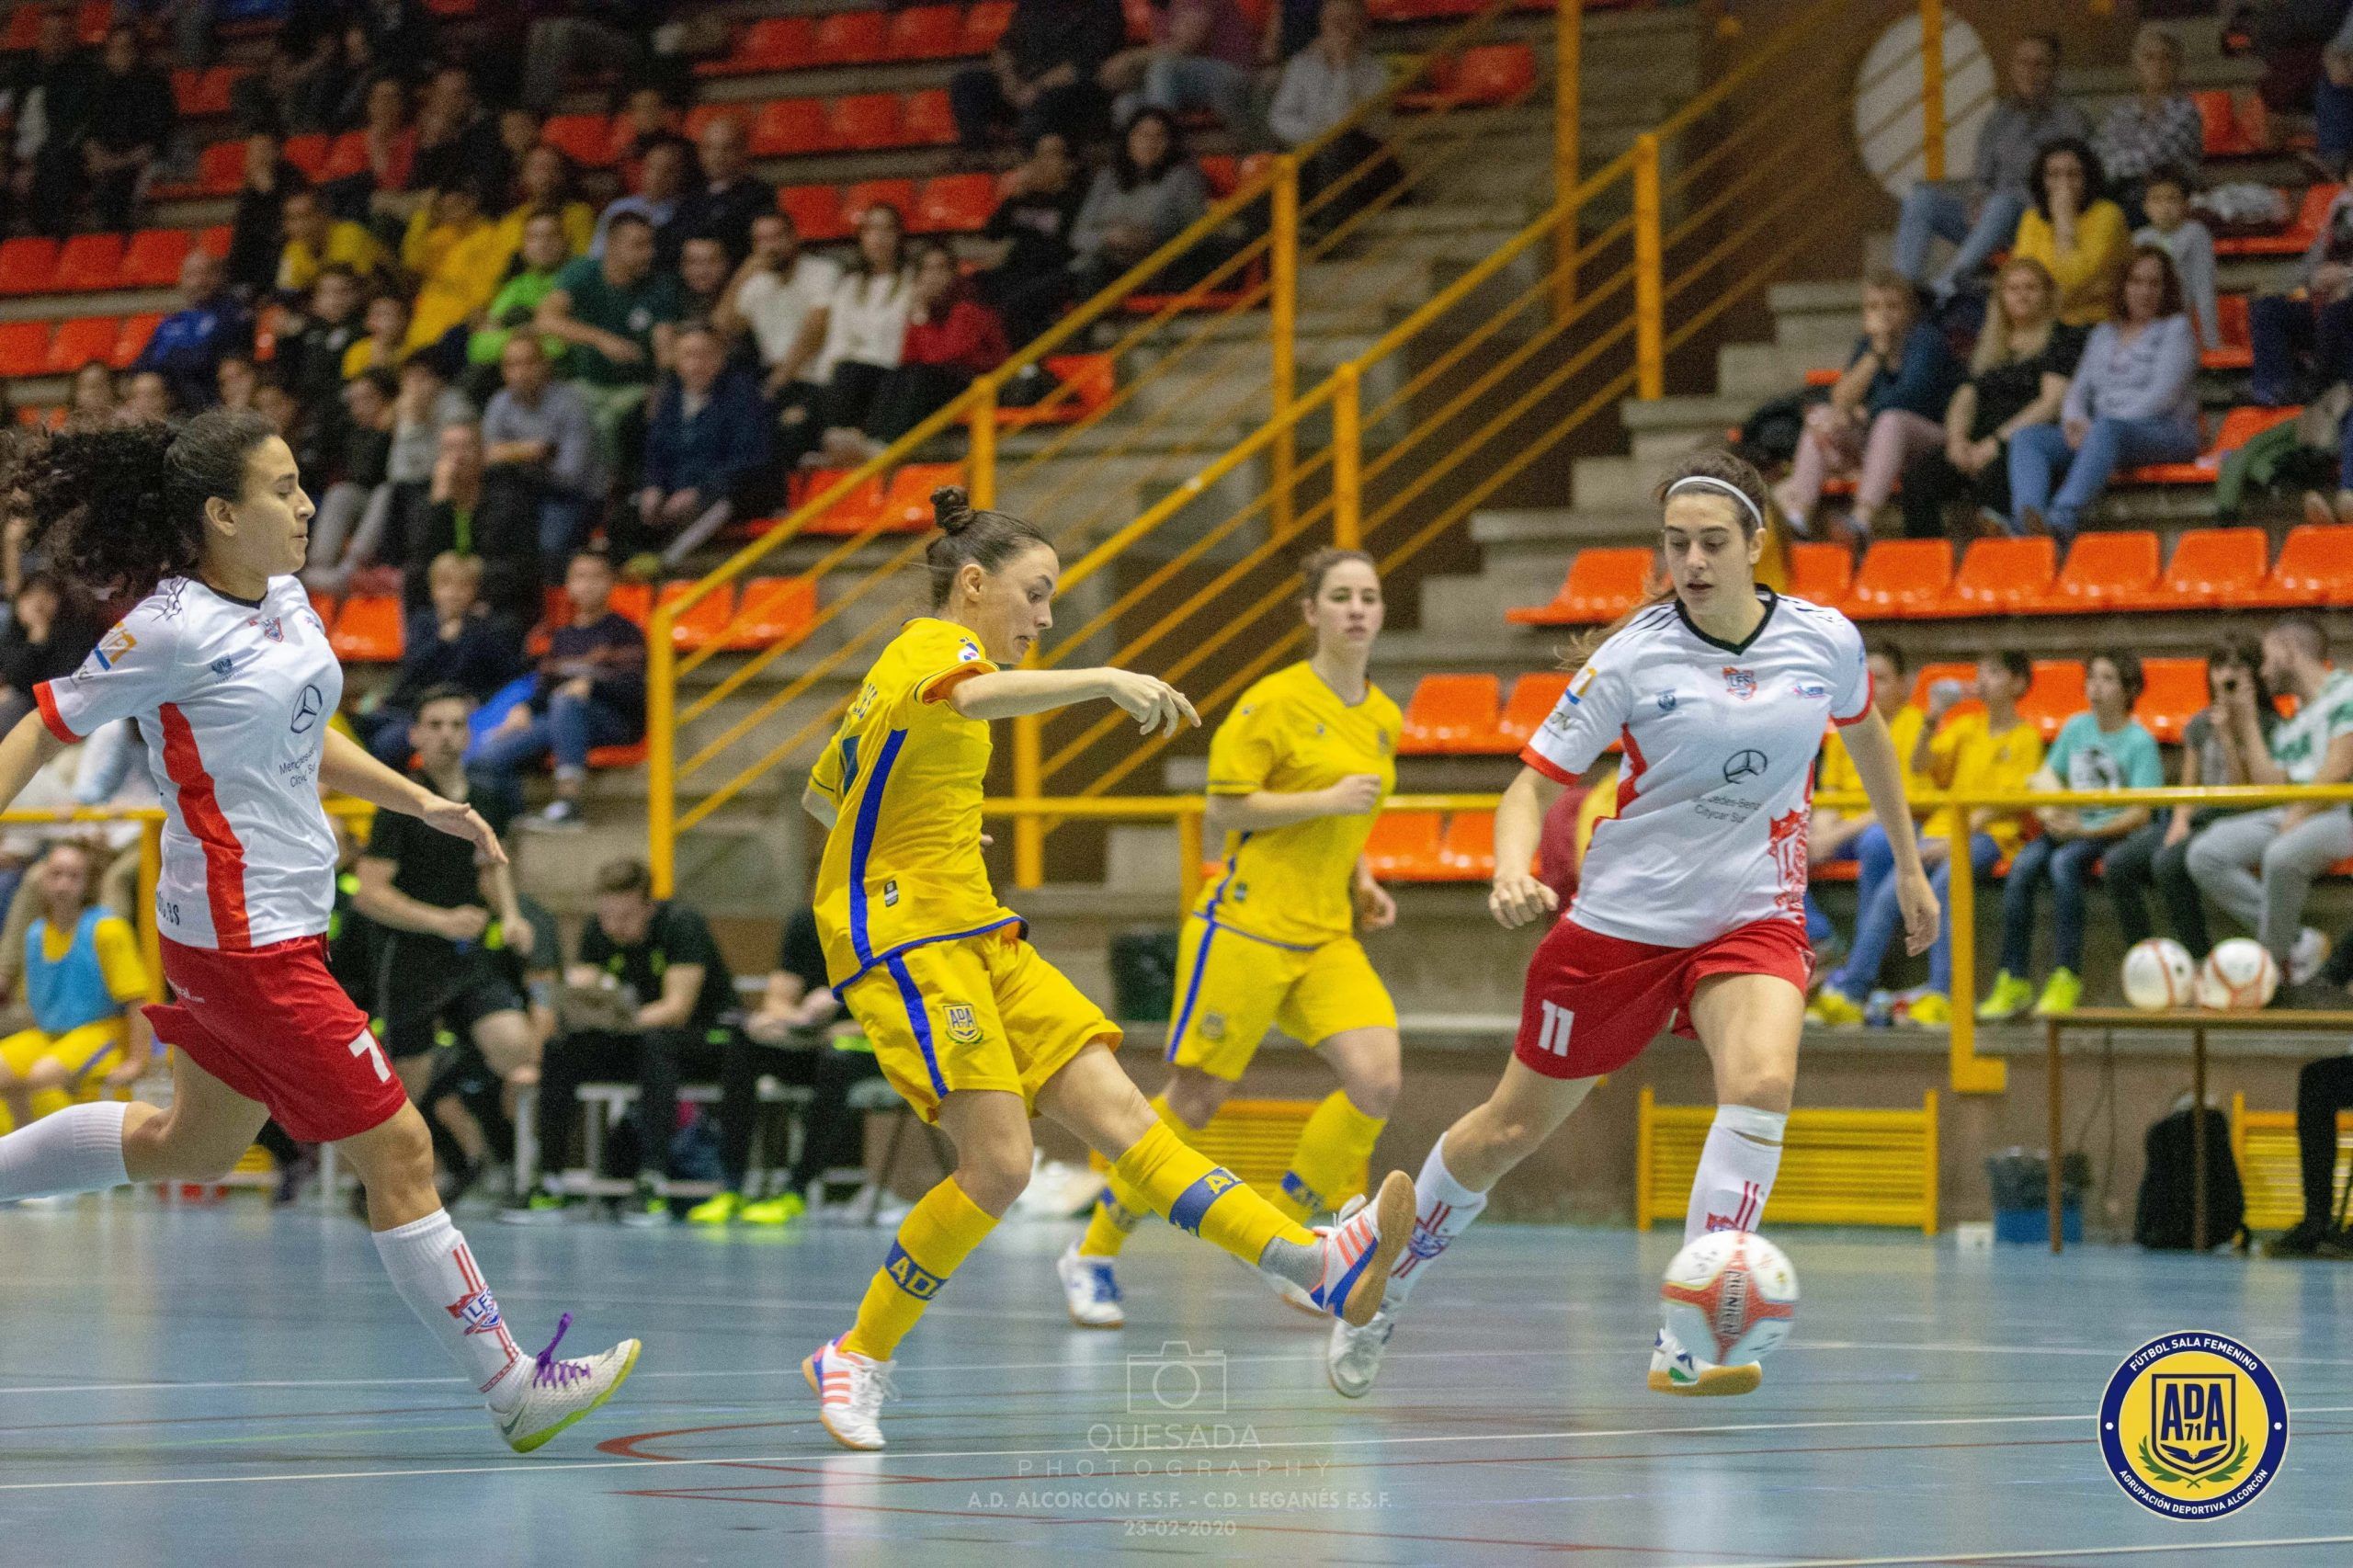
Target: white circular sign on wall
[(1887, 101)]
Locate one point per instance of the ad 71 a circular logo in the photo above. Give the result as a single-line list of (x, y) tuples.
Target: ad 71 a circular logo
[(2193, 1425)]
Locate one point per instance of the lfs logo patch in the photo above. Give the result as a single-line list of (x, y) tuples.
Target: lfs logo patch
[(1740, 682), (963, 1028), (478, 1311)]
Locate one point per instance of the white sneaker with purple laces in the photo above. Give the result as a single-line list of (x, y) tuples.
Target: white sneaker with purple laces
[(559, 1392)]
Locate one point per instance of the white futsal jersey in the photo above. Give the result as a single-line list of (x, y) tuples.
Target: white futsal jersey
[(232, 699), (1720, 741)]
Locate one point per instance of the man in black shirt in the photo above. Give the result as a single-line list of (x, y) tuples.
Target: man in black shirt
[(731, 195), (1042, 76), (591, 693), (657, 958)]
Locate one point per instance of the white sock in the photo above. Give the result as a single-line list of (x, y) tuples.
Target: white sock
[(1735, 1175), (434, 1270), (1443, 1210), (78, 1149)]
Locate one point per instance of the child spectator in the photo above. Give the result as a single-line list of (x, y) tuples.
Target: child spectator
[(591, 692), (706, 440), (2165, 197), (84, 980), (452, 642), (1146, 196), (2075, 231), (1881, 414)]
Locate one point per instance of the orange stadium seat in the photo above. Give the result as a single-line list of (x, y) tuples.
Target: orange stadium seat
[(1405, 847), (1489, 73), (866, 193), (89, 263), (347, 155), (2301, 229), (773, 610), (28, 266), (79, 341), (816, 210), (2173, 692), (1220, 172), (984, 24), (1467, 853), (368, 630), (202, 94), (152, 259), (586, 139), (634, 601), (1088, 382), (1820, 573), (853, 514), (1999, 577), (1533, 698), (926, 32), (2210, 568), (1452, 714), (955, 204), (322, 606), (2237, 352), (219, 169), (1901, 577), (701, 118), (706, 619), (2239, 426), (1948, 669), (1601, 586), (906, 502), (136, 331), (2056, 695), (771, 43), (926, 120), (789, 127), (307, 153), (2224, 136), (23, 348), (23, 30), (863, 122), (2315, 566), (2104, 571), (853, 37), (214, 241), (631, 756)]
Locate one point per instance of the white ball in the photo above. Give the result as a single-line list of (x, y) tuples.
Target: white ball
[(2238, 975), (2159, 974), (1729, 1297)]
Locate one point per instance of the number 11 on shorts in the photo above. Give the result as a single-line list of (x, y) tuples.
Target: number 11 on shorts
[(1558, 1021)]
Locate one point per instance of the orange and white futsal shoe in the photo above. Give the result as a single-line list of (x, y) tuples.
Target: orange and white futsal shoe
[(1360, 1248), (850, 1390)]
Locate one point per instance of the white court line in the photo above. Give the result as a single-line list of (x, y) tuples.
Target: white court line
[(868, 1461), (2051, 1555)]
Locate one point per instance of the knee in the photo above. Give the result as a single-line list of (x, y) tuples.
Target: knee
[(2201, 859), (2282, 858), (1373, 1086), (1920, 200), (1764, 1086), (995, 1173)]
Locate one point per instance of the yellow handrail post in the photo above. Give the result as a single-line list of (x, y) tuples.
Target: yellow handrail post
[(980, 459), (1972, 1073), (1932, 88), (662, 753), (1283, 323), (1029, 832), (1188, 857), (1568, 94), (1347, 456), (1650, 285)]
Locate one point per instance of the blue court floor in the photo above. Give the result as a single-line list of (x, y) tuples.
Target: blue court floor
[(203, 1387)]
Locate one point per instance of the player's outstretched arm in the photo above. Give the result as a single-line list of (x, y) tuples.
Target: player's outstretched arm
[(1873, 750), (1153, 703), (344, 766), (1517, 896), (26, 750)]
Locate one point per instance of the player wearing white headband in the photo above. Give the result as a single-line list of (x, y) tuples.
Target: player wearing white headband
[(1690, 913)]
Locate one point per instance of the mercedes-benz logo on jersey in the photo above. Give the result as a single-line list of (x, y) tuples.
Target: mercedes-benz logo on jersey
[(307, 709), (1744, 765)]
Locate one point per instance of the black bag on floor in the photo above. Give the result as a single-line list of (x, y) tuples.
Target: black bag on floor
[(2162, 1218)]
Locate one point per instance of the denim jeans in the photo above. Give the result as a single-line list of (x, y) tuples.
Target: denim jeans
[(1818, 928), (1881, 914), (1932, 209), (1180, 82), (571, 728), (2039, 453), (2065, 863), (2297, 345)]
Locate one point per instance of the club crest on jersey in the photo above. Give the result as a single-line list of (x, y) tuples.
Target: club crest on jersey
[(272, 627), (963, 1028), (1213, 1026), (891, 894), (223, 664), (478, 1311), (1740, 682)]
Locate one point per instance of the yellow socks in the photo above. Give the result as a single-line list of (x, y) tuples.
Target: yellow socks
[(1122, 1207), (938, 1233), (1330, 1159), (1207, 1200)]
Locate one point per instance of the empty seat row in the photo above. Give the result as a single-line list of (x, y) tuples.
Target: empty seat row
[(863, 38), (92, 263), (1429, 847), (1461, 715), (32, 349)]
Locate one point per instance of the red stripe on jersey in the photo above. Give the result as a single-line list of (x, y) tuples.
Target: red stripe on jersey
[(51, 717), (1631, 785), (1870, 688), (224, 857), (1547, 766)]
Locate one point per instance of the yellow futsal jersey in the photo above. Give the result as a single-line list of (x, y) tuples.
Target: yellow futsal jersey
[(1291, 733), (1838, 773), (902, 864)]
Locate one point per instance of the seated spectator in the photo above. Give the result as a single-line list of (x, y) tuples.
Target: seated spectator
[(293, 90), (1045, 74), (388, 134), (730, 195), (85, 982), (866, 323), (781, 294), (1881, 414), (297, 430), (385, 346), (2323, 1092), (1990, 749), (2159, 853), (317, 240), (661, 186), (348, 530), (2018, 379), (61, 75), (148, 398), (90, 401), (706, 443), (2157, 128), (617, 314), (454, 642), (2304, 339), (1201, 56), (132, 116), (591, 693), (454, 296), (2165, 197), (1981, 215), (2074, 229), (2259, 866), (465, 516), (951, 338), (2333, 96), (257, 226), (2134, 399), (44, 638), (1146, 196), (545, 182), (457, 140), (190, 343), (235, 383), (704, 268), (541, 441), (1834, 832), (1028, 278), (537, 264), (2103, 747), (451, 215), (675, 988), (647, 117), (593, 39), (1321, 86), (312, 347)]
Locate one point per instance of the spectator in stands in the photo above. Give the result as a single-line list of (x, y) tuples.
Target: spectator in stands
[(1201, 56), (316, 240), (2103, 747), (188, 23), (661, 185), (90, 401), (398, 33), (458, 288), (582, 38), (1321, 86), (235, 383), (1045, 74), (518, 132), (2073, 228), (383, 347), (1881, 414), (617, 316), (84, 980), (294, 91), (541, 439), (2333, 96), (2018, 379), (469, 516), (456, 139), (149, 398), (676, 994), (1981, 215), (53, 92), (2259, 866), (706, 443), (348, 529), (951, 337), (704, 268), (132, 117), (258, 227), (2159, 853), (866, 328), (647, 117), (1835, 833), (1029, 278), (2304, 339), (537, 266), (731, 195), (2164, 197), (546, 182), (190, 343), (453, 643), (452, 215), (310, 348), (781, 294), (44, 639), (1148, 194), (2158, 128), (389, 135), (2134, 399), (591, 693)]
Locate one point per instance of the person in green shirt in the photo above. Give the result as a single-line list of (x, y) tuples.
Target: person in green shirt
[(543, 253), (617, 318)]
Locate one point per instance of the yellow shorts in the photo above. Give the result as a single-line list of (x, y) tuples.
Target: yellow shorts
[(86, 1055), (980, 1012), (1231, 988)]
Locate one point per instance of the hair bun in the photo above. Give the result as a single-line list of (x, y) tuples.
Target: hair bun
[(952, 508)]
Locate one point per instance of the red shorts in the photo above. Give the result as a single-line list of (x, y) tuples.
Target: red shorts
[(1593, 1003), (273, 1024)]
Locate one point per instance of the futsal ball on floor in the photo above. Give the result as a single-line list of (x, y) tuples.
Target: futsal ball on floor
[(1729, 1297), (2159, 974), (2238, 975)]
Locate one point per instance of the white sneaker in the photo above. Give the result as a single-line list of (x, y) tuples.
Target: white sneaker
[(1675, 1371), (2305, 958), (1353, 1358), (1361, 1247), (1092, 1294), (850, 1390), (560, 1393)]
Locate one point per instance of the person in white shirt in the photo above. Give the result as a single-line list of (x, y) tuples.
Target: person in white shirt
[(1321, 86), (783, 295), (226, 671), (1690, 911), (866, 328)]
